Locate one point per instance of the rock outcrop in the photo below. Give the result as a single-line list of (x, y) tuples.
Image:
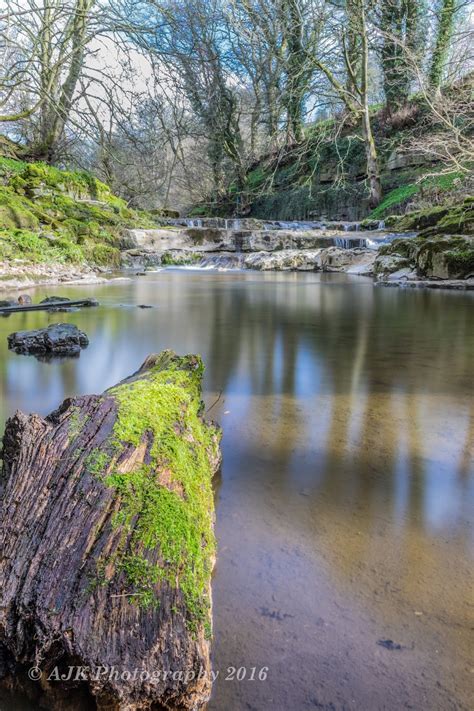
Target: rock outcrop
[(330, 259), (439, 257), (107, 545), (369, 248), (59, 339)]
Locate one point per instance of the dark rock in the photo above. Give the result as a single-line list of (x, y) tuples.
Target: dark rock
[(389, 644), (60, 339)]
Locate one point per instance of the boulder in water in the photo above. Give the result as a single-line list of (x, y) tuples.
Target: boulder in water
[(60, 339)]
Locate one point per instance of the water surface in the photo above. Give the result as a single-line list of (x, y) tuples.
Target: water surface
[(344, 506)]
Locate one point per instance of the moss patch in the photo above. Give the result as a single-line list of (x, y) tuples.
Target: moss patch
[(74, 216), (401, 195), (454, 219), (166, 502), (180, 258), (441, 256), (461, 262)]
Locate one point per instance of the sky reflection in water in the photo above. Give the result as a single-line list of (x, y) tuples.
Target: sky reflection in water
[(346, 489)]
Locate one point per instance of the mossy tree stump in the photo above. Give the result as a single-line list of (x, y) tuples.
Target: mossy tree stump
[(107, 543)]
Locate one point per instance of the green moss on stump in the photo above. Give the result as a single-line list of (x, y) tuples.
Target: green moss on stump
[(166, 501)]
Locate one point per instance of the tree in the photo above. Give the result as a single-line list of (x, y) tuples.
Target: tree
[(46, 43), (400, 26), (64, 34), (353, 31), (296, 71)]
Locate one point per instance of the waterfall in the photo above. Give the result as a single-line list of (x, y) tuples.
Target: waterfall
[(350, 242), (222, 262)]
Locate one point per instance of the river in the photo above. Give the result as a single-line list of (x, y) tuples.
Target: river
[(345, 501)]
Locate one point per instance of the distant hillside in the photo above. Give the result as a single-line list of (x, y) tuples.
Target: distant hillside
[(324, 176)]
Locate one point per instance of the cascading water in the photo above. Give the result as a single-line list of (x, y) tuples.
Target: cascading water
[(349, 242), (222, 262)]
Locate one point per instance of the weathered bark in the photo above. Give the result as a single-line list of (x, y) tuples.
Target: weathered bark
[(77, 496), (357, 17), (296, 72)]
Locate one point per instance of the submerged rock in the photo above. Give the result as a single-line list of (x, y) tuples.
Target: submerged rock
[(60, 339), (106, 563), (24, 299), (55, 300)]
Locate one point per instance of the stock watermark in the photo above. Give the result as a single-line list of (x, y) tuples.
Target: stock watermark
[(112, 673)]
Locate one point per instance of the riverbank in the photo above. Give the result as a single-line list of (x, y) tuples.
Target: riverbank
[(19, 276), (61, 227), (16, 277)]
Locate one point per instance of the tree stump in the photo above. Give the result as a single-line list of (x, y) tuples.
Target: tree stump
[(107, 545)]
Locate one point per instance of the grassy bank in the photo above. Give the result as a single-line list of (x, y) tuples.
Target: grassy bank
[(65, 217)]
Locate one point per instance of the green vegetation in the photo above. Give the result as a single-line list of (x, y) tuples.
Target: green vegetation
[(438, 255), (439, 220), (180, 258), (166, 503), (324, 176), (52, 215), (461, 261), (398, 197), (394, 198)]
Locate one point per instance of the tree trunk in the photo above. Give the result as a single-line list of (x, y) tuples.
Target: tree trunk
[(58, 98), (296, 73), (443, 38), (107, 546), (401, 49), (373, 174)]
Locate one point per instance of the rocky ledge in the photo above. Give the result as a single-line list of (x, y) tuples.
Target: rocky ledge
[(106, 532), (420, 247), (330, 259), (439, 257)]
